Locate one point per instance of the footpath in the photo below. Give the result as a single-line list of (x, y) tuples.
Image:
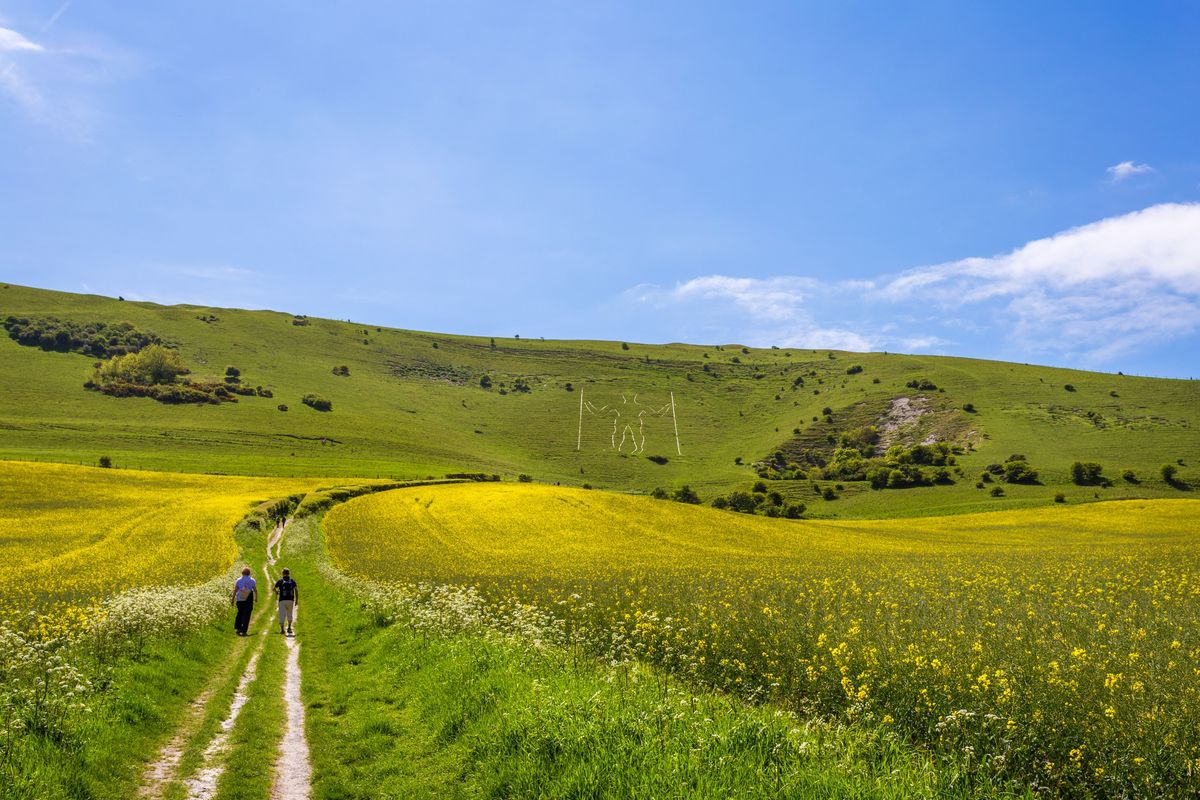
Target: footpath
[(220, 749)]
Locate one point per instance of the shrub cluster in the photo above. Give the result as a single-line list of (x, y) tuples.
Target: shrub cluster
[(854, 459), (317, 402), (760, 501), (156, 371), (1088, 473), (1015, 469), (98, 339), (684, 494)]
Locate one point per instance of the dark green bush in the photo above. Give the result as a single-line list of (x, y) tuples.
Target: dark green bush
[(97, 339), (1086, 473), (742, 502), (794, 510), (1019, 472), (317, 402), (685, 494)]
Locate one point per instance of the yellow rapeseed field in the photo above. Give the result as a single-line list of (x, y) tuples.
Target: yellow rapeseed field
[(1059, 646), (70, 536)]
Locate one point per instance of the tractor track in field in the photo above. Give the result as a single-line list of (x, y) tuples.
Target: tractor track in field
[(292, 768)]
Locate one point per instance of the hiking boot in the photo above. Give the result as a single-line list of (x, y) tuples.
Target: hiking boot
[(289, 631)]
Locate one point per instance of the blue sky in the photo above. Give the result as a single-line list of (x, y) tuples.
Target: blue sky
[(1019, 181)]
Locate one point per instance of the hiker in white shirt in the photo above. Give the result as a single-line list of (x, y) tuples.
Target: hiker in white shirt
[(245, 592)]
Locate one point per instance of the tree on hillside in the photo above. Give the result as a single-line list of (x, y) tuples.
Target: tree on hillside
[(153, 364), (1086, 472), (1018, 471), (685, 494)]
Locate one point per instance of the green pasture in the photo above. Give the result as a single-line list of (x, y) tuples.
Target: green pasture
[(412, 407)]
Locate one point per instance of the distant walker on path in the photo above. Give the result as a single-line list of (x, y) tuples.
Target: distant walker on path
[(289, 597), (245, 592)]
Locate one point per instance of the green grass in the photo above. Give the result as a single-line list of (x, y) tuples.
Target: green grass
[(399, 414), (138, 703), (260, 726), (398, 713), (102, 755)]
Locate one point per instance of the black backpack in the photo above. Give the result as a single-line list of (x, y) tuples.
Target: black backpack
[(287, 589)]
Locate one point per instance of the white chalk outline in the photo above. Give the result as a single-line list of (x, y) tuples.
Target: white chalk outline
[(636, 438)]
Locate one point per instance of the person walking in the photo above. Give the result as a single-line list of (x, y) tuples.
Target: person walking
[(288, 595), (245, 592)]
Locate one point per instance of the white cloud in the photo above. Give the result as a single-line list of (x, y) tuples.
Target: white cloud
[(11, 41), (1126, 169), (12, 80), (771, 298), (1087, 295), (57, 85), (1095, 291), (825, 339), (1160, 245), (765, 311)]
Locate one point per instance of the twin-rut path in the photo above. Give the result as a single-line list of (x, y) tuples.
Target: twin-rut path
[(211, 751)]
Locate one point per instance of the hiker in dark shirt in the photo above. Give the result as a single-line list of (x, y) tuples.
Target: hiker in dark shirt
[(288, 595)]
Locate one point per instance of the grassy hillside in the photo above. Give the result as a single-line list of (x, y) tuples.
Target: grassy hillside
[(412, 405)]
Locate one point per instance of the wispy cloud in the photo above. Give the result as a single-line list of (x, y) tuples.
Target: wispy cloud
[(11, 41), (214, 273), (55, 83), (1089, 295), (1096, 291), (768, 311), (771, 298), (1127, 169)]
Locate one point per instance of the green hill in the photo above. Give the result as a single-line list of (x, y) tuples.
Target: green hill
[(412, 404)]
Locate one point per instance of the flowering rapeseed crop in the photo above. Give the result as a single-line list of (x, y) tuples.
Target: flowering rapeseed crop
[(1057, 646), (71, 536)]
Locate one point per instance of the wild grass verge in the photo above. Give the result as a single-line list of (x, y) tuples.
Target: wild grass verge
[(417, 695)]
